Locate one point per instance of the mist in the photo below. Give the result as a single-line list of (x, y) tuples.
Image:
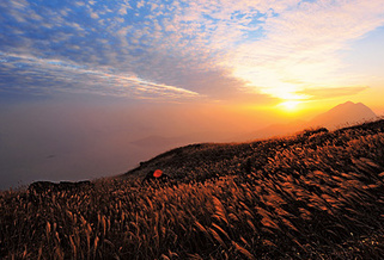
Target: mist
[(86, 138)]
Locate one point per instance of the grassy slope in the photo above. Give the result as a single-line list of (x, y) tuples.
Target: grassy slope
[(314, 195)]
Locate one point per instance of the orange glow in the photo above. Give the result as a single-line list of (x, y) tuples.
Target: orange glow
[(290, 106), (157, 173)]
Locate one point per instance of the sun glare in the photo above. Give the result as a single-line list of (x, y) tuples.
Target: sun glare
[(290, 105)]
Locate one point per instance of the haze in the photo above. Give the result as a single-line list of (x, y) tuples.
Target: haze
[(81, 80)]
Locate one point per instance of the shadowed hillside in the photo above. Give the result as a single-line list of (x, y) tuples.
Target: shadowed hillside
[(315, 195), (209, 160)]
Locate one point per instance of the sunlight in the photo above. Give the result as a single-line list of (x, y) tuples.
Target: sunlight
[(290, 105)]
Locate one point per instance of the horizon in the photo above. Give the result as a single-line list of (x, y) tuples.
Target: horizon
[(80, 81), (34, 163)]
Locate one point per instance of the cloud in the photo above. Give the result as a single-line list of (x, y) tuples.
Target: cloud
[(55, 75), (214, 49), (94, 15), (302, 44), (326, 93)]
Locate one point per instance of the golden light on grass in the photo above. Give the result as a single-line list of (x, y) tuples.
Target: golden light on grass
[(242, 201)]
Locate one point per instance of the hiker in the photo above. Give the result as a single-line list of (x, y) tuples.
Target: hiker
[(155, 175)]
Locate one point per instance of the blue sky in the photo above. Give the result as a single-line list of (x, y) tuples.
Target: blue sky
[(190, 50)]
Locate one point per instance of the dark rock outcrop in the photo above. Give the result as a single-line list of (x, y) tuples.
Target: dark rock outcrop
[(44, 186)]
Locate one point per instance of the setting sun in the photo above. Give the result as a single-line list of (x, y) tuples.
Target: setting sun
[(290, 105)]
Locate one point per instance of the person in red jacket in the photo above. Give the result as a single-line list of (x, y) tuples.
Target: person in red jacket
[(155, 175)]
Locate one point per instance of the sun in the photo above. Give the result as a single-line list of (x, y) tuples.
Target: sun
[(290, 105)]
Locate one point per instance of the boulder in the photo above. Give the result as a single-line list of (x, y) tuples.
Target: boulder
[(47, 186)]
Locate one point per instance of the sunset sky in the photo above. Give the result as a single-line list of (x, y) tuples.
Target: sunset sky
[(174, 67)]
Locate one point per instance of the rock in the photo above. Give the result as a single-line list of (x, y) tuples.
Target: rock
[(44, 186)]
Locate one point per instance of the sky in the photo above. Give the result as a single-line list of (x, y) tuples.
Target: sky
[(101, 74)]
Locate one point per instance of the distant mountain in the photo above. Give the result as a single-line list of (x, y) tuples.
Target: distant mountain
[(348, 113), (341, 115)]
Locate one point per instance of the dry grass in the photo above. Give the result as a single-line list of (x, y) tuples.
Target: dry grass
[(316, 195)]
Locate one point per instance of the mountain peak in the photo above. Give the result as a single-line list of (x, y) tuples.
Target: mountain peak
[(344, 114)]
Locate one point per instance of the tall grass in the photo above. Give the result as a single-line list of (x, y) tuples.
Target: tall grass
[(315, 195)]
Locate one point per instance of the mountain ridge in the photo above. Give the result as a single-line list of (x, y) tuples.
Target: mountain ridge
[(346, 113), (342, 115), (179, 157)]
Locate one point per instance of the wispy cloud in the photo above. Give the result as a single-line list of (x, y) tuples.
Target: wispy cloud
[(302, 44), (326, 93), (158, 49), (62, 76)]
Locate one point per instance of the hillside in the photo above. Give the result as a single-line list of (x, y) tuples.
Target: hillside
[(208, 160), (315, 195)]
